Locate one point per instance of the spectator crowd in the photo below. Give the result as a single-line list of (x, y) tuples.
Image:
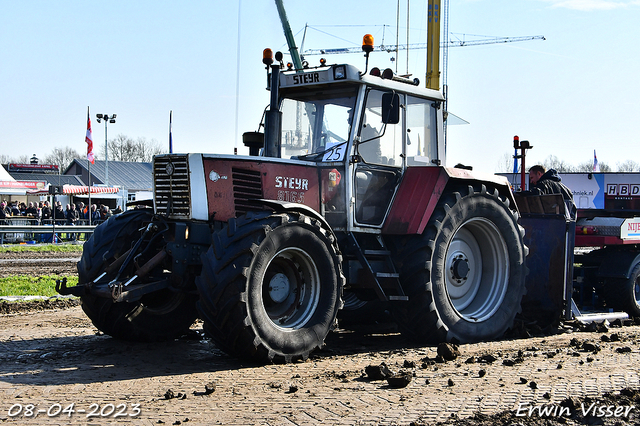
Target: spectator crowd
[(43, 213)]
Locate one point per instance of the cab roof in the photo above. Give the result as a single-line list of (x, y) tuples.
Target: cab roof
[(324, 76)]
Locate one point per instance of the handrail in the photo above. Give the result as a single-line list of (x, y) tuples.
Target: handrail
[(44, 229)]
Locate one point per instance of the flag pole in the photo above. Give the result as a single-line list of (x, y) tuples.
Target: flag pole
[(90, 159), (89, 188), (170, 137)]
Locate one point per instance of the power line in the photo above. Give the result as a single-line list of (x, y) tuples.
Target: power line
[(451, 43)]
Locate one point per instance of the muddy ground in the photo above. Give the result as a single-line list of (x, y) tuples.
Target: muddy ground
[(38, 263), (56, 368)]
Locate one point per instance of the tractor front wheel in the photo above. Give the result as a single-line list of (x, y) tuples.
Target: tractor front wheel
[(271, 286), (157, 316)]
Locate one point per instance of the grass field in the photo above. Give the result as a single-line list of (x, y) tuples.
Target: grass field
[(26, 285), (32, 286), (62, 248)]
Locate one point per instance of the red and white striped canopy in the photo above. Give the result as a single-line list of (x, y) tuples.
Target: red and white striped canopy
[(78, 189)]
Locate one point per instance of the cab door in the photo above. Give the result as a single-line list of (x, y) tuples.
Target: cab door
[(378, 158)]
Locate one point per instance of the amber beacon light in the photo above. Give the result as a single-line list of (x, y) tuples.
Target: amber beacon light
[(367, 43), (267, 56)]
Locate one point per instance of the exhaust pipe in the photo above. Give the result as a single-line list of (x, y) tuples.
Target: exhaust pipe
[(273, 118)]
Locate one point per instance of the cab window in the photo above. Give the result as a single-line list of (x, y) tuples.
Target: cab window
[(315, 122), (422, 137), (379, 143)]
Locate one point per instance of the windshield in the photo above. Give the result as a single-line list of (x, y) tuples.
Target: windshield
[(316, 121)]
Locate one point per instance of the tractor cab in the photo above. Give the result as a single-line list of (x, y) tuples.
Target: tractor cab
[(362, 130)]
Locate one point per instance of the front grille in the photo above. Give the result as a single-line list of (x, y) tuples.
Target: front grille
[(172, 191), (247, 186)]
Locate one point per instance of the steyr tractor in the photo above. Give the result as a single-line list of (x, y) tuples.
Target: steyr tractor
[(344, 200)]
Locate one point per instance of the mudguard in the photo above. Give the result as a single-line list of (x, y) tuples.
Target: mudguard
[(421, 189), (283, 206)]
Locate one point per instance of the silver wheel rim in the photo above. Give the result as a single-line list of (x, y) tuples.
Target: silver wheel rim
[(477, 270), (291, 288)]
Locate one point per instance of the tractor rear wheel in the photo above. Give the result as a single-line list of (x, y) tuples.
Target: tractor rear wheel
[(465, 275), (624, 293), (158, 316), (271, 286)]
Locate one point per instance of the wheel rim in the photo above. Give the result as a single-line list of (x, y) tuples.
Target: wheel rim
[(291, 288), (477, 270), (636, 290)]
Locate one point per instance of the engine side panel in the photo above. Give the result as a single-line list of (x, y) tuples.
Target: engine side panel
[(234, 185)]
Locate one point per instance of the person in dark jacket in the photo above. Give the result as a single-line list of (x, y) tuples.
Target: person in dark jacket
[(542, 181), (46, 213), (32, 211), (72, 217), (59, 215)]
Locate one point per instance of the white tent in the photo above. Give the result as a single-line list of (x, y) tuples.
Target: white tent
[(4, 175), (10, 186)]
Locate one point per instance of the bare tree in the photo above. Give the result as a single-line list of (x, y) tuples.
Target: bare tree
[(505, 163), (587, 166), (62, 157), (629, 166), (561, 166), (146, 150), (22, 159), (604, 167), (123, 148)]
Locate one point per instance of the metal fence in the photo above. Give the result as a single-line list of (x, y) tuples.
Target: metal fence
[(17, 229)]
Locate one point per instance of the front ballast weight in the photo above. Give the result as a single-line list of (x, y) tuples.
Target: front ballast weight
[(128, 288), (125, 290)]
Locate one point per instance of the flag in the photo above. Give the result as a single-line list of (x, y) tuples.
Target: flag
[(170, 137), (89, 140), (596, 167)]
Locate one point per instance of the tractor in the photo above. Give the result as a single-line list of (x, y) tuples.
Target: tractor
[(343, 201)]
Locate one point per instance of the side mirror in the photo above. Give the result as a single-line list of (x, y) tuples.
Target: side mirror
[(390, 108)]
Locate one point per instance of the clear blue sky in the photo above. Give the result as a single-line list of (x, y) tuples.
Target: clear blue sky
[(573, 93)]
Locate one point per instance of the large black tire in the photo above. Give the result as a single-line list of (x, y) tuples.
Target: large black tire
[(271, 286), (623, 294), (157, 316), (465, 275)]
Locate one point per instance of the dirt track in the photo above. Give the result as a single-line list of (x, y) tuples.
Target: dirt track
[(38, 263), (55, 356)]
